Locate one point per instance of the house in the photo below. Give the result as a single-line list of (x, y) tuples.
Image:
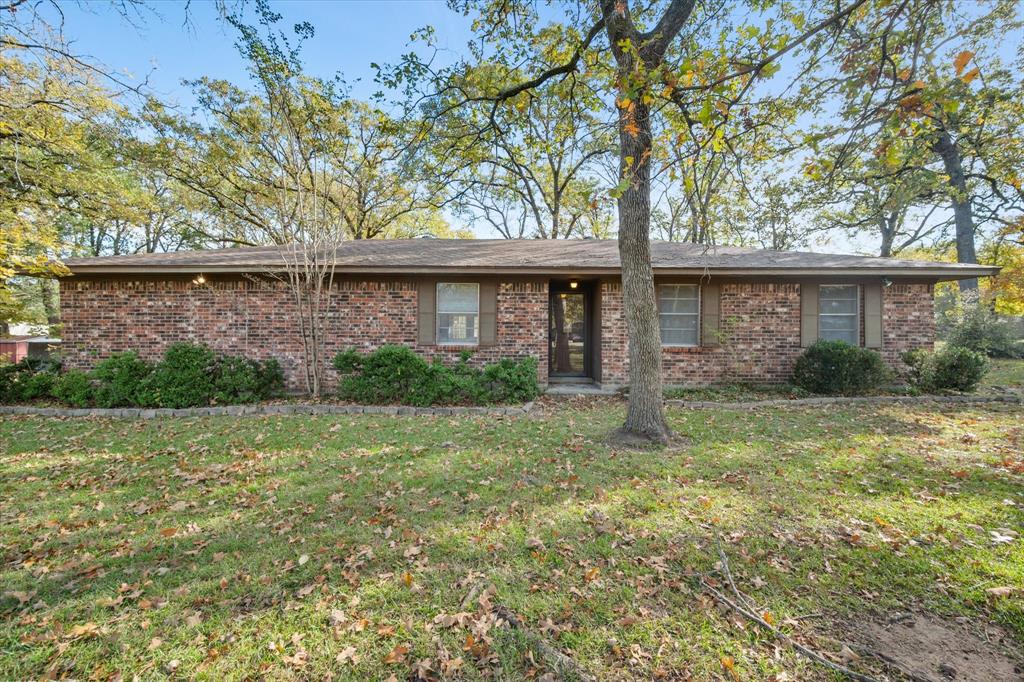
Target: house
[(726, 313)]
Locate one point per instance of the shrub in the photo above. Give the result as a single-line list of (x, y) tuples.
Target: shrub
[(240, 380), (37, 385), (188, 376), (836, 367), (236, 380), (122, 381), (28, 379), (270, 379), (390, 374), (73, 388), (395, 374), (974, 325), (184, 378), (512, 381), (951, 369)]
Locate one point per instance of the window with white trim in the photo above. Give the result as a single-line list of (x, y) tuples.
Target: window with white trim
[(458, 313), (839, 313), (679, 314)]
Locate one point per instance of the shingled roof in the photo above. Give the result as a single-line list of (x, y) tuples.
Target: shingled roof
[(565, 257)]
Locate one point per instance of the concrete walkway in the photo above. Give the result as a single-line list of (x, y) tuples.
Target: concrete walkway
[(578, 389)]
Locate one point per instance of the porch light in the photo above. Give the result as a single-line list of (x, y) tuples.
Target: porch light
[(200, 280), (573, 284)]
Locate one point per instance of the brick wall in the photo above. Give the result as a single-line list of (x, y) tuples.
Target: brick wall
[(257, 319), (908, 320), (762, 323)]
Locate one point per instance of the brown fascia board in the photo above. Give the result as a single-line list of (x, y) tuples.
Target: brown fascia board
[(954, 272)]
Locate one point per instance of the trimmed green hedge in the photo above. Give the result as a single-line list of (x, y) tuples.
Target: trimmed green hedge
[(189, 375), (396, 375), (953, 368), (837, 368)]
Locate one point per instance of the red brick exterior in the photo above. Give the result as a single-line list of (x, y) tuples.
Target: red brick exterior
[(908, 320), (760, 322), (257, 319)]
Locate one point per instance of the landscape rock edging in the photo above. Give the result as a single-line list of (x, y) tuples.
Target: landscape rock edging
[(1015, 399), (257, 410)]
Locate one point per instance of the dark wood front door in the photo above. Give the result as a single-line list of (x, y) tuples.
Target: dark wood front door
[(568, 352)]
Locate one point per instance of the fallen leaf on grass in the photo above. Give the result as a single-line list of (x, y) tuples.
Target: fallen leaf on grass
[(1003, 591), (348, 655), (730, 667), (85, 630), (397, 654), (999, 538)]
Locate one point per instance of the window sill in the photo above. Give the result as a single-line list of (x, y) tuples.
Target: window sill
[(684, 349)]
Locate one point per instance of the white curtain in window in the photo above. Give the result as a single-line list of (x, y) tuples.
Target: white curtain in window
[(458, 313)]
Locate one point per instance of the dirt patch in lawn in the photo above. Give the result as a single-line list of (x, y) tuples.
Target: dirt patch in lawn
[(940, 649)]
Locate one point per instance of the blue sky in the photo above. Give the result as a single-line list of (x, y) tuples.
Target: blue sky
[(349, 36)]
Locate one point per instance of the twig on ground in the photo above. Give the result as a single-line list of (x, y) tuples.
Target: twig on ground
[(906, 671), (741, 598), (745, 607), (563, 664), (779, 634)]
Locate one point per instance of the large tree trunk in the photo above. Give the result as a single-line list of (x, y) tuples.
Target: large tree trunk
[(646, 417), (48, 293), (961, 200)]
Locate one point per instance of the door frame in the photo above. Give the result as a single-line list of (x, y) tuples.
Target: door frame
[(584, 289)]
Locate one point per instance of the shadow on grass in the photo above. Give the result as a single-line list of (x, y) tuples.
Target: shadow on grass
[(360, 493)]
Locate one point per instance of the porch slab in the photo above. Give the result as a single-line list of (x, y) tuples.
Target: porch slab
[(578, 388)]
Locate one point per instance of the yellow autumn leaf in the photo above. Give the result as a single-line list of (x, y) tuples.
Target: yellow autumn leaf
[(961, 61), (970, 75)]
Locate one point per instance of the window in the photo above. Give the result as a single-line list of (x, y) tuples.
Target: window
[(458, 313), (679, 314), (838, 312)]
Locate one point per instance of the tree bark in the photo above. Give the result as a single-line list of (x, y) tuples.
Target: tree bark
[(563, 362), (49, 298), (645, 416), (888, 232), (963, 216)]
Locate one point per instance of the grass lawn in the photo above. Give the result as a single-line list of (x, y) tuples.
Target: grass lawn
[(1004, 374), (736, 393), (301, 547)]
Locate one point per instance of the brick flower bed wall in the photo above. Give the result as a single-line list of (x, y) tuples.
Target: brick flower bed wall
[(257, 319), (763, 323)]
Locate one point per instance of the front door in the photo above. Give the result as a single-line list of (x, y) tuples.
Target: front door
[(567, 334)]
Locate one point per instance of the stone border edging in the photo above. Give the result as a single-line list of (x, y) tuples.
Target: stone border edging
[(257, 410), (1015, 399)]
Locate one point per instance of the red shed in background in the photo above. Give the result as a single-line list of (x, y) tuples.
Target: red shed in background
[(17, 348)]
